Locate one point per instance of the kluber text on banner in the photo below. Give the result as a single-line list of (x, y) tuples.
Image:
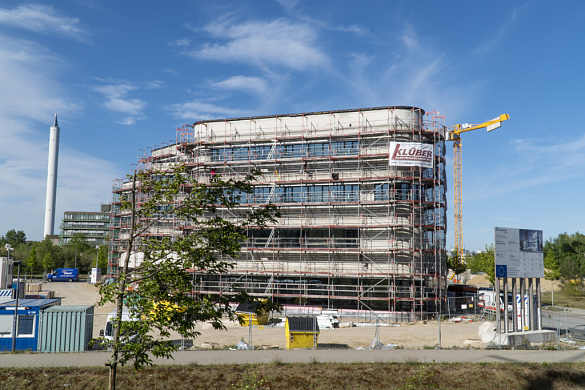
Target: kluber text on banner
[(411, 154)]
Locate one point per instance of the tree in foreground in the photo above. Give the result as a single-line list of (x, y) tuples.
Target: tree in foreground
[(161, 301)]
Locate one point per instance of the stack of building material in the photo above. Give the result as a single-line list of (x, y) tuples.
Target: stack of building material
[(35, 291), (33, 288), (47, 294)]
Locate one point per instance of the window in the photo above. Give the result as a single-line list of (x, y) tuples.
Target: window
[(290, 151), (345, 193), (221, 154), (240, 197), (261, 194), (291, 194), (109, 328), (318, 150), (381, 192), (6, 324), (240, 154), (26, 325), (344, 148), (403, 191), (260, 152), (318, 193)]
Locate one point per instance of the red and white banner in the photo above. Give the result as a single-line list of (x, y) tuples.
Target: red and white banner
[(411, 154)]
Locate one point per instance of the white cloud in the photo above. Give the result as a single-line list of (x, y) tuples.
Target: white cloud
[(409, 38), (263, 44), (185, 42), (75, 191), (410, 72), (558, 155), (563, 161), (499, 34), (31, 94), (199, 110), (293, 8), (246, 84), (118, 100), (26, 80), (42, 19), (156, 84)]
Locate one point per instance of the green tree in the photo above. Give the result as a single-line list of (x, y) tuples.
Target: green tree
[(44, 247), (14, 238), (32, 261), (483, 262), (103, 258), (48, 263), (455, 264), (164, 302), (564, 256)]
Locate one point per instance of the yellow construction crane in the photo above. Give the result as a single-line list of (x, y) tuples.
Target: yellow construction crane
[(454, 134)]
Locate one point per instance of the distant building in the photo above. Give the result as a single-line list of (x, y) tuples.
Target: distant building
[(93, 225)]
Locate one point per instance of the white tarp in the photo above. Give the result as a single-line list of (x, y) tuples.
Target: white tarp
[(411, 154)]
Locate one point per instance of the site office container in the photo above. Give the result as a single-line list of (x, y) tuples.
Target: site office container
[(27, 328), (66, 329)]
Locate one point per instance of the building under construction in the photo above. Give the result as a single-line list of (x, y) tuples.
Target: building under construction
[(361, 195)]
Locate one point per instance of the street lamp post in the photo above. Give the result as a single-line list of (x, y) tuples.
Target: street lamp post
[(8, 249), (75, 255), (97, 253), (17, 262)]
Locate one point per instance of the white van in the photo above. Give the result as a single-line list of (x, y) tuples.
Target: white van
[(108, 332)]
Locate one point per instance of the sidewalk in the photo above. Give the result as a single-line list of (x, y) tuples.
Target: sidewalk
[(97, 359)]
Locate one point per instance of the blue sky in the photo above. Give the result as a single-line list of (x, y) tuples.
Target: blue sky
[(123, 75)]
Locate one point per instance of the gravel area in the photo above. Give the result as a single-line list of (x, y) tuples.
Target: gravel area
[(350, 334)]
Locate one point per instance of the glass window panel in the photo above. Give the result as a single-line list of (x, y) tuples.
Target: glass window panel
[(25, 325), (6, 324)]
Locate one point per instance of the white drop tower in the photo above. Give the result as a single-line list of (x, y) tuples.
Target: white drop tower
[(52, 179)]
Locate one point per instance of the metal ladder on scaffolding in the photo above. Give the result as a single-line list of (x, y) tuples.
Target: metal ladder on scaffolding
[(270, 238)]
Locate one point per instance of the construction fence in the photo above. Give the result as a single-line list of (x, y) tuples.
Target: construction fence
[(463, 328)]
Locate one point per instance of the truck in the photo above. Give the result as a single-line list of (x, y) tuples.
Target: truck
[(63, 275)]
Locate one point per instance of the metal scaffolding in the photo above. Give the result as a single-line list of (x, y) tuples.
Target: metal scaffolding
[(355, 232)]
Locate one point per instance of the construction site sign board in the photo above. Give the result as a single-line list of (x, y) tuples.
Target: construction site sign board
[(411, 154), (518, 253)]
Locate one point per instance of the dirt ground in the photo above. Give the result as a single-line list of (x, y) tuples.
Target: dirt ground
[(350, 334)]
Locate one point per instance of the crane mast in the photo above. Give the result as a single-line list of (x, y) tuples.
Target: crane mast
[(454, 134), (457, 190)]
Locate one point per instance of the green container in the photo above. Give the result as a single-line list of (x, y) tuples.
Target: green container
[(66, 329)]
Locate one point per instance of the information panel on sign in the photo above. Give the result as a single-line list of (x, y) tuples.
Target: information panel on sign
[(519, 253)]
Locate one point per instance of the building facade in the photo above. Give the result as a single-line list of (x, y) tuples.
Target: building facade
[(362, 200), (94, 226)]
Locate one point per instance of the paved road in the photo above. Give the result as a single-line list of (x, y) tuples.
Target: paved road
[(571, 320), (89, 359)]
